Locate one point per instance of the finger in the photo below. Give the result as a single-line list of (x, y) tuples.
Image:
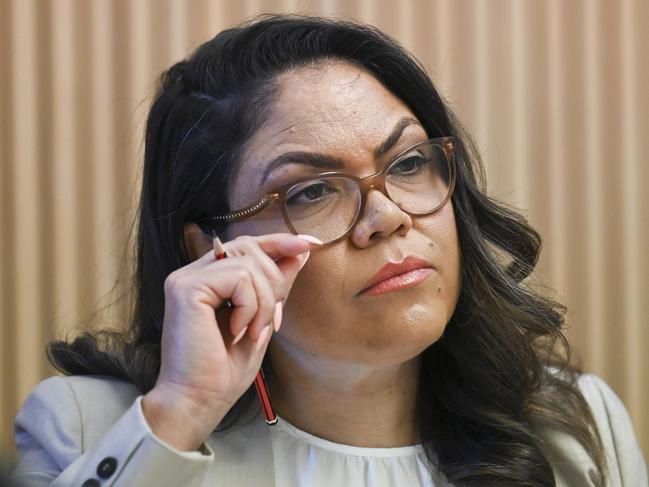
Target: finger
[(266, 299), (249, 313), (277, 245), (269, 267), (235, 282), (251, 352), (277, 275)]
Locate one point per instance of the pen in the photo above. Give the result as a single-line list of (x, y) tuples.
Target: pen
[(260, 382)]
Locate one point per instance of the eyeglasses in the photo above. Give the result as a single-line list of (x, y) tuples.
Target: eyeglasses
[(419, 180)]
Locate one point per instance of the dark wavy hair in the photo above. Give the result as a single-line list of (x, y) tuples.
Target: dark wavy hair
[(501, 374)]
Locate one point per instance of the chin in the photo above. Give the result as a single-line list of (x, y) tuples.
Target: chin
[(399, 346)]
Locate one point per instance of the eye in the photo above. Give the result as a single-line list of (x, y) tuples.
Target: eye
[(310, 193), (409, 166)]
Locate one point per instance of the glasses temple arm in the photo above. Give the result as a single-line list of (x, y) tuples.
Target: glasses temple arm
[(243, 212)]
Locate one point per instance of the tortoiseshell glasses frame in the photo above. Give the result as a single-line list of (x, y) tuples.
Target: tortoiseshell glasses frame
[(374, 181)]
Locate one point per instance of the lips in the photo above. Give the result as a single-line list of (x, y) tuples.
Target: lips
[(392, 269)]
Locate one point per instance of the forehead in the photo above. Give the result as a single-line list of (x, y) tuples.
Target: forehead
[(338, 108)]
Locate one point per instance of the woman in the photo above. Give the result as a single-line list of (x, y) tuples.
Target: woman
[(454, 372)]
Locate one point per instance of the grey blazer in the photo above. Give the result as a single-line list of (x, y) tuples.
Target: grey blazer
[(90, 431)]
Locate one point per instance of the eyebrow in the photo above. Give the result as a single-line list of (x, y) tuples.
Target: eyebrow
[(329, 162)]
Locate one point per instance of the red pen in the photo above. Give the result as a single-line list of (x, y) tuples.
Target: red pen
[(260, 382)]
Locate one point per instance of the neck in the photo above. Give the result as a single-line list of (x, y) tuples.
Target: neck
[(343, 402)]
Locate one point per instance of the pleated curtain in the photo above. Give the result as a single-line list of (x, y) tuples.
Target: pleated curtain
[(554, 91)]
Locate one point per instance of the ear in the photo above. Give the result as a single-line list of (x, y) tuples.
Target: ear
[(196, 242)]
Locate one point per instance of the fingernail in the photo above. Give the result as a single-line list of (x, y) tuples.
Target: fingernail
[(262, 338), (277, 317), (311, 239), (306, 257), (239, 336)]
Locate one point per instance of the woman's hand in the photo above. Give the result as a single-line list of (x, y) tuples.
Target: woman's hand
[(208, 359)]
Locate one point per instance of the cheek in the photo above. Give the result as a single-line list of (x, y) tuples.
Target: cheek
[(317, 313), (323, 319), (445, 249), (441, 231)]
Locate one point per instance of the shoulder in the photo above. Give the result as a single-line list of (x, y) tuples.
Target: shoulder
[(71, 413), (606, 405), (90, 399), (626, 465), (624, 455), (83, 387), (68, 427)]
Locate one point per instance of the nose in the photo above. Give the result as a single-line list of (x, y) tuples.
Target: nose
[(381, 218)]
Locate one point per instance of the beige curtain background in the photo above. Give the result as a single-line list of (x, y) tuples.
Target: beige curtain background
[(554, 91)]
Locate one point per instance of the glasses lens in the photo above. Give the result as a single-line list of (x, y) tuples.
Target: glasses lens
[(323, 207), (419, 181)]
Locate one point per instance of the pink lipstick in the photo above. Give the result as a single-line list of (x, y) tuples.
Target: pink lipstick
[(395, 276)]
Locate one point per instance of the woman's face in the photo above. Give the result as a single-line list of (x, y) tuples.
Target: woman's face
[(341, 110)]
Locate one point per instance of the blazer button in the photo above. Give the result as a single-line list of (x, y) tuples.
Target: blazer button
[(107, 467), (91, 483)]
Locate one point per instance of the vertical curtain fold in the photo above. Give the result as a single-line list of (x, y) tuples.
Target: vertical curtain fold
[(551, 90)]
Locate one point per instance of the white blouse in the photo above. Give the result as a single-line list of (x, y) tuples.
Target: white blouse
[(302, 459)]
